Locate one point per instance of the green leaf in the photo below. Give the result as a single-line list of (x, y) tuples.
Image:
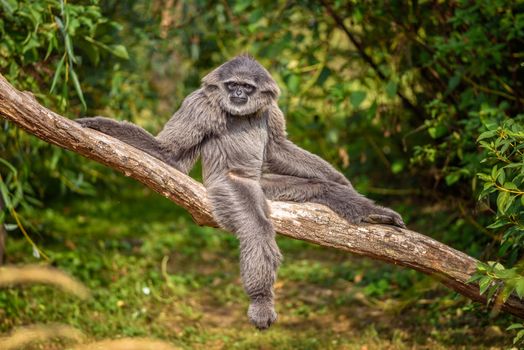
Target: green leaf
[(519, 287), (482, 266), (487, 134), (397, 167), (488, 185), (502, 200), (496, 265), (437, 131), (78, 89), (515, 326), (57, 73), (484, 177), (491, 292), (69, 48), (452, 178), (519, 336), (484, 284), (9, 6), (10, 227), (506, 293), (9, 165), (5, 195), (357, 97), (391, 89), (474, 278), (504, 247), (498, 224), (509, 202), (501, 176), (240, 6), (513, 165), (494, 171), (506, 274), (59, 23), (120, 51), (505, 146)]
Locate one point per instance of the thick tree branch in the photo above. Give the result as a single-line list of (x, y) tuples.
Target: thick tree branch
[(309, 222)]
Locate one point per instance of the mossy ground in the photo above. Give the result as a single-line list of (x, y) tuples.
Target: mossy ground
[(154, 273)]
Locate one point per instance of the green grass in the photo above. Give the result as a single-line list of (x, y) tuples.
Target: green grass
[(154, 273)]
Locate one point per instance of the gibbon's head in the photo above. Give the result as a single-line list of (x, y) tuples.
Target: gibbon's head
[(241, 86)]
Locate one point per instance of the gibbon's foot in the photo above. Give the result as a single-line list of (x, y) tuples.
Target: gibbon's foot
[(262, 314), (365, 211), (382, 215)]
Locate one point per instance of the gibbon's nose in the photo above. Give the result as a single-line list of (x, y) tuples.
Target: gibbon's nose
[(239, 92)]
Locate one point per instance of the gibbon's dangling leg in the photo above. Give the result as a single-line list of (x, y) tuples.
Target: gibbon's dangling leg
[(342, 199), (239, 205)]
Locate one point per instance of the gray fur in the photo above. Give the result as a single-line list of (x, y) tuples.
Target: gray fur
[(247, 158)]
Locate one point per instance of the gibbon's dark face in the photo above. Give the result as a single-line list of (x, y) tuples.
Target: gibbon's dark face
[(242, 86), (239, 91)]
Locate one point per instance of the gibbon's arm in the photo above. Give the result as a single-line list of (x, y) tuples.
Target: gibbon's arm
[(178, 144), (181, 138), (285, 158), (124, 131)]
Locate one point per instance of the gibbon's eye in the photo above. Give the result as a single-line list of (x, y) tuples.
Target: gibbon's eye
[(249, 88), (231, 86)]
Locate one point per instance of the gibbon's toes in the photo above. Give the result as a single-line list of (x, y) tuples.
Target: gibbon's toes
[(386, 216), (378, 219), (262, 314), (399, 222), (397, 219)]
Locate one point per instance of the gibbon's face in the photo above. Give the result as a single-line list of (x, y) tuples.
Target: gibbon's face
[(239, 91), (243, 86)]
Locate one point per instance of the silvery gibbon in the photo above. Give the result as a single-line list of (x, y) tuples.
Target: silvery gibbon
[(234, 124)]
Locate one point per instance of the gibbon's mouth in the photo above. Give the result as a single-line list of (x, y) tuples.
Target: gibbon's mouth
[(238, 100)]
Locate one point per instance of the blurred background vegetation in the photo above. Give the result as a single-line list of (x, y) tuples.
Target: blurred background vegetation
[(419, 103)]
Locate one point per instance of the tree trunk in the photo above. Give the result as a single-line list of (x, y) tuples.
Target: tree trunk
[(309, 222)]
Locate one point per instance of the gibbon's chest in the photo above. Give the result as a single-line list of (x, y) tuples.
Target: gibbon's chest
[(241, 145), (245, 137)]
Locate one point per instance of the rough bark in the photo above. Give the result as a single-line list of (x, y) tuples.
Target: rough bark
[(309, 222)]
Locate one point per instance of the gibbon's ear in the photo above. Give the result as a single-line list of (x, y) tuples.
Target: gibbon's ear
[(265, 82), (212, 79), (270, 87)]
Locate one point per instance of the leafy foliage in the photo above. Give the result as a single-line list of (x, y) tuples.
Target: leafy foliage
[(504, 143), (418, 102), (43, 45)]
